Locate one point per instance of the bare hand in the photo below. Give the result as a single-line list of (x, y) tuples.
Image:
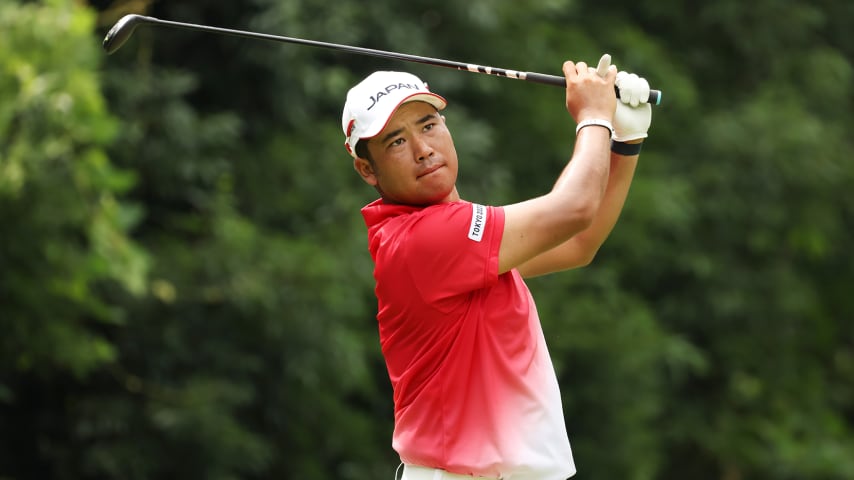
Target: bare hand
[(590, 91)]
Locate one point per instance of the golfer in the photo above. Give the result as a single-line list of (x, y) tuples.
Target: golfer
[(475, 392)]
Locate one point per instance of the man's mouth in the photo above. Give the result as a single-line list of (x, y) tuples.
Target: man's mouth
[(430, 170)]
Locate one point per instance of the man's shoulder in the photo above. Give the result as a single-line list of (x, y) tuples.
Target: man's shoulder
[(379, 212)]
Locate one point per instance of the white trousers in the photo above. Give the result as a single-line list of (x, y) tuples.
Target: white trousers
[(412, 472)]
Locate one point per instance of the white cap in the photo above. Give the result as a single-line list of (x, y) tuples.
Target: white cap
[(372, 102)]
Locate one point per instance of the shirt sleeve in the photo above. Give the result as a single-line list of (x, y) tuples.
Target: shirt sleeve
[(453, 249)]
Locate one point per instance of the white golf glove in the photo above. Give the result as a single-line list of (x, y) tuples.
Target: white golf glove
[(633, 115)]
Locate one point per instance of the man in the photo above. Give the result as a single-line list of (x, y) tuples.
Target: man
[(475, 392)]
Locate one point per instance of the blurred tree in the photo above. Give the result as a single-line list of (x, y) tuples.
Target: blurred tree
[(65, 253)]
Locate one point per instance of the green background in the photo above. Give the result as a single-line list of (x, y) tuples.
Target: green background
[(185, 287)]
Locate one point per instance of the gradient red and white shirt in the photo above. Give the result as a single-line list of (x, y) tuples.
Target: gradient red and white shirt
[(475, 391)]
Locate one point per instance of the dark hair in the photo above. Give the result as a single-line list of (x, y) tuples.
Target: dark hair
[(362, 150)]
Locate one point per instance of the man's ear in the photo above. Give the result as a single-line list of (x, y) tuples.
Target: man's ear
[(365, 170)]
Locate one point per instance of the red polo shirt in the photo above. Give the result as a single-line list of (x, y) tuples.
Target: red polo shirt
[(474, 388)]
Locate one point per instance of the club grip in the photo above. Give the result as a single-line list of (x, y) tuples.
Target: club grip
[(654, 95)]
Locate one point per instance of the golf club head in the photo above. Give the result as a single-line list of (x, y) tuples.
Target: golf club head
[(121, 31)]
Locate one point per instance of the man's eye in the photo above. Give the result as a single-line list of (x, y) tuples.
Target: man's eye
[(396, 142), (429, 126)]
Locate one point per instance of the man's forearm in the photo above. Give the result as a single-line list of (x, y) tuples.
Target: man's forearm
[(579, 250), (620, 179)]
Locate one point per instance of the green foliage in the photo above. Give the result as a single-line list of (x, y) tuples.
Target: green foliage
[(186, 289), (65, 226)]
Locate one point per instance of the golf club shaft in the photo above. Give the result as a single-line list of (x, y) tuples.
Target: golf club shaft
[(123, 29)]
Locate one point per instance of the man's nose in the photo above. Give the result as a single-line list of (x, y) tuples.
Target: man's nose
[(423, 150)]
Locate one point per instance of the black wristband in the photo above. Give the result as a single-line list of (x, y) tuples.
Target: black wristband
[(627, 149)]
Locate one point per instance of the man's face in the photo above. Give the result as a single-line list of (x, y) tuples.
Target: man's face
[(414, 159)]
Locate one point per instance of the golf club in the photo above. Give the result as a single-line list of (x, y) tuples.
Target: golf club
[(124, 28)]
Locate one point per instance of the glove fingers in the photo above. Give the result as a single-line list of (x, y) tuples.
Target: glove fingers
[(632, 87), (634, 90), (604, 65)]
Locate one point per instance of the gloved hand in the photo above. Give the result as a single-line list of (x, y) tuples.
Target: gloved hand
[(632, 118)]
